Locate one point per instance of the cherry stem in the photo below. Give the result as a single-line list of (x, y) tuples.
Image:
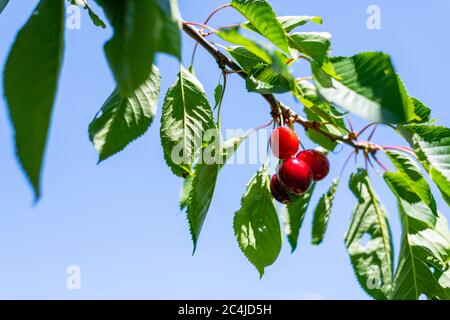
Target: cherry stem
[(365, 128), (373, 167), (303, 79), (398, 148), (346, 162), (302, 146), (402, 149), (373, 132), (199, 25), (380, 163), (350, 124), (194, 51), (263, 126), (227, 5)]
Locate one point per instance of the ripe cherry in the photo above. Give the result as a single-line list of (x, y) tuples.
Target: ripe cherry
[(278, 192), (295, 176), (284, 143), (317, 161)]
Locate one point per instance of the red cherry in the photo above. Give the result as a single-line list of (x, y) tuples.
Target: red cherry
[(278, 192), (284, 143), (317, 161), (295, 176)]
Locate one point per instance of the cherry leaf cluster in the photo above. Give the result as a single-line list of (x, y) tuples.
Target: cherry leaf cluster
[(262, 50)]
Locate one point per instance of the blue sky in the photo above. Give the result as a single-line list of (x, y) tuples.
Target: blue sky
[(120, 222)]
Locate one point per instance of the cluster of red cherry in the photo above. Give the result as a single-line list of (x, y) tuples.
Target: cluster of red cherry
[(296, 173)]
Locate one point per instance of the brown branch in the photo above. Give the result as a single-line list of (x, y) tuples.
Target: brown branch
[(276, 106)]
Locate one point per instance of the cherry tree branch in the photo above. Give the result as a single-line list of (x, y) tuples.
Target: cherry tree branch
[(276, 106)]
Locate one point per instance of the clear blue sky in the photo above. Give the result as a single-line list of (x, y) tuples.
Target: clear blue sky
[(120, 221)]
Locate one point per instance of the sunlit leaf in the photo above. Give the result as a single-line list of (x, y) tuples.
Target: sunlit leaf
[(262, 17), (422, 111), (414, 186), (233, 36), (431, 144), (264, 77), (423, 267), (371, 258), (289, 23), (368, 87), (186, 115), (313, 44)]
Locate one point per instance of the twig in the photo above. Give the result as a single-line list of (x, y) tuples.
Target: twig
[(194, 51)]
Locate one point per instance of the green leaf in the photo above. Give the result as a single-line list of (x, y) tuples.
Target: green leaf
[(424, 262), (322, 214), (289, 23), (218, 95), (316, 109), (199, 189), (293, 216), (316, 45), (30, 82), (170, 37), (425, 250), (185, 191), (431, 144), (246, 59), (322, 113), (267, 80), (256, 224), (3, 4), (96, 20), (264, 77), (123, 119), (372, 261), (186, 115), (414, 186), (262, 17), (410, 104), (422, 112), (141, 28), (368, 87), (233, 36)]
